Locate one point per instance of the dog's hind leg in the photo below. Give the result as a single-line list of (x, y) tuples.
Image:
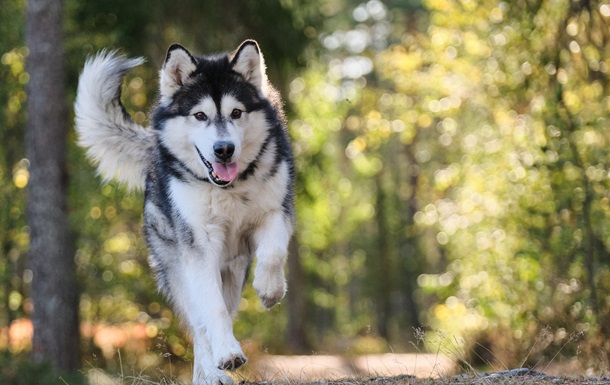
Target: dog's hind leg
[(233, 279)]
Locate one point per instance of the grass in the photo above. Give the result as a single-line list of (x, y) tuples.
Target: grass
[(282, 377), (394, 380), (362, 370)]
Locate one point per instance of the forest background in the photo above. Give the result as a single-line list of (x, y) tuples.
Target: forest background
[(452, 190)]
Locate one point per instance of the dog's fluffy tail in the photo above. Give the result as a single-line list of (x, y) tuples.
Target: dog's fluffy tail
[(120, 147)]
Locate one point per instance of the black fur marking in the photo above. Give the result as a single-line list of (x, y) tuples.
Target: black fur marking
[(186, 233), (153, 227), (157, 192), (252, 166), (214, 78), (288, 202), (170, 164), (176, 168), (276, 165)]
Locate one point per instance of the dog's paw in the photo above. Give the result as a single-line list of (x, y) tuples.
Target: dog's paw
[(231, 357), (224, 380), (213, 377), (233, 363), (270, 285)]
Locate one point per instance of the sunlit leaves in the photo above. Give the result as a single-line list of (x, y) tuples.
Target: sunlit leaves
[(536, 170)]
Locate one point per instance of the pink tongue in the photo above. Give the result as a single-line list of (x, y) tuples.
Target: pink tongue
[(226, 171)]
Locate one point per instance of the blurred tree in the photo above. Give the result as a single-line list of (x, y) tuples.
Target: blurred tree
[(50, 256)]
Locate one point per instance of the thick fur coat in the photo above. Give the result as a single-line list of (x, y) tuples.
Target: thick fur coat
[(218, 175)]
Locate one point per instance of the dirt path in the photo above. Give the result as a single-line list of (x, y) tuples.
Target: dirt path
[(383, 369), (395, 369), (315, 368)]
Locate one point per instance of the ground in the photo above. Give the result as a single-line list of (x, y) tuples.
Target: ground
[(458, 380), (383, 369)]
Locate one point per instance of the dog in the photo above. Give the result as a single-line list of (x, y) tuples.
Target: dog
[(217, 170)]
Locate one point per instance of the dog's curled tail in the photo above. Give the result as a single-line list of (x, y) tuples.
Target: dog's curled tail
[(120, 147)]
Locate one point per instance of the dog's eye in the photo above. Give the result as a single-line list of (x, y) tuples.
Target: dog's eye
[(236, 114), (200, 116)]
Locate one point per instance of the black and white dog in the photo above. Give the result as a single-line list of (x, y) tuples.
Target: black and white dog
[(218, 174)]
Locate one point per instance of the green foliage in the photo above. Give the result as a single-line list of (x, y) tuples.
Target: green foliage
[(479, 145), (20, 371), (518, 193)]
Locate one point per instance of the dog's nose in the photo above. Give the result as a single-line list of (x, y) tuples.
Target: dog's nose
[(224, 150)]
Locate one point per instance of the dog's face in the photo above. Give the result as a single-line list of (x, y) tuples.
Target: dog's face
[(211, 115)]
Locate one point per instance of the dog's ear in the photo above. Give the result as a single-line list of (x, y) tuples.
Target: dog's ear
[(179, 65), (248, 61)]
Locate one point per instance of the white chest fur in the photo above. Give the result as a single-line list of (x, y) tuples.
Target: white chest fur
[(213, 215), (223, 216)]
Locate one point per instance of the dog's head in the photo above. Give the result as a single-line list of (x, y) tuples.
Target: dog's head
[(210, 114)]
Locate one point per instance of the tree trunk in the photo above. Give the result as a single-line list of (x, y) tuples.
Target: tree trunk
[(297, 340), (380, 264), (411, 256), (50, 257)]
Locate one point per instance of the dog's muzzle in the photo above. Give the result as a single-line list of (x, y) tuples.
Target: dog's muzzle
[(221, 172)]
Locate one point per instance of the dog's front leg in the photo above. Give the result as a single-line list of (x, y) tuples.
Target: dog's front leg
[(210, 321), (271, 240), (205, 370)]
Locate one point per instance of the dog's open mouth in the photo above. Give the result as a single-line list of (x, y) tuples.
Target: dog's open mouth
[(220, 174)]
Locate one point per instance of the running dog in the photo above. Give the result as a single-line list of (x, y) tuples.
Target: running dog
[(217, 169)]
